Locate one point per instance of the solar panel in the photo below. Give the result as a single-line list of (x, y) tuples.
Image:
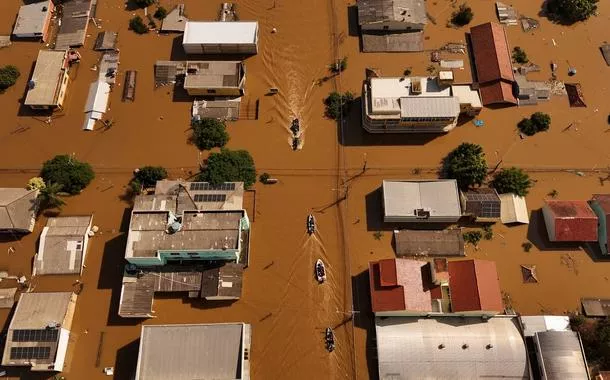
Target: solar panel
[(205, 186), (46, 335), (20, 353), (210, 197)]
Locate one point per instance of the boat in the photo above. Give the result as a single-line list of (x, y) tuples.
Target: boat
[(311, 224), (320, 271), (329, 340), (295, 127), (295, 143)]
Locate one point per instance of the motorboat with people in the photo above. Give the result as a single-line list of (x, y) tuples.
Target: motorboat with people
[(320, 270), (329, 339), (311, 224), (295, 143), (295, 127)]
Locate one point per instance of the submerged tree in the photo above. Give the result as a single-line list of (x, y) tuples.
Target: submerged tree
[(8, 76), (538, 122), (148, 176), (571, 11), (338, 104), (160, 13), (67, 172), (229, 166), (137, 25), (462, 16), (49, 197), (519, 55), (466, 164), (209, 133), (512, 180), (144, 3)]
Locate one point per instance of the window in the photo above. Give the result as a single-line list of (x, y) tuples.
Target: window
[(211, 91), (174, 253)]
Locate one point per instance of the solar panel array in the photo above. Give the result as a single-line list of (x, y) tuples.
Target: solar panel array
[(210, 197), (490, 203), (46, 335), (204, 186), (20, 353)]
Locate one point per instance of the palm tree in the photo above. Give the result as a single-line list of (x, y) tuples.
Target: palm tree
[(49, 197)]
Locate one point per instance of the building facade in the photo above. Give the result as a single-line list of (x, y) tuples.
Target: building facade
[(217, 37)]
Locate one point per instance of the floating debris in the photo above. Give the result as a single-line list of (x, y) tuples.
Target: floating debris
[(575, 95), (455, 47), (529, 274), (528, 24), (5, 41), (452, 63), (478, 122)]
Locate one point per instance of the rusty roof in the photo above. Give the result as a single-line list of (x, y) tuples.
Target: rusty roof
[(573, 220), (474, 286), (491, 53), (429, 243)]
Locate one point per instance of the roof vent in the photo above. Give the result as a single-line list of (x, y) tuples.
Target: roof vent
[(465, 346), (44, 9), (489, 346), (441, 346), (422, 213)]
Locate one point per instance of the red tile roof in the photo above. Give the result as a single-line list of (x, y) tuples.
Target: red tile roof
[(474, 286), (491, 54), (497, 92), (573, 221)]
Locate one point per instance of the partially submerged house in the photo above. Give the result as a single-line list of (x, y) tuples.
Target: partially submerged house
[(204, 78), (402, 287), (481, 204), (39, 332), (48, 85), (513, 209), (392, 25), (492, 61), (413, 348), (194, 351), (443, 243), (531, 92), (18, 209), (600, 204), (188, 237), (105, 40), (97, 103), (416, 201), (175, 20), (74, 22), (570, 221), (217, 37), (63, 245), (33, 20), (226, 110)]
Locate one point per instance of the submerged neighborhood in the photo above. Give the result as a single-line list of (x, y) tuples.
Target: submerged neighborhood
[(368, 189)]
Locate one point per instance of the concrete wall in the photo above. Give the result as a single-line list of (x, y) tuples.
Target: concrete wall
[(61, 95), (62, 348), (394, 26), (549, 222), (214, 91)]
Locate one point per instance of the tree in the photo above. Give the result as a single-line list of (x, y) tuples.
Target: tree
[(35, 183), (512, 180), (160, 13), (144, 3), (472, 237), (8, 76), (462, 16), (148, 176), (538, 122), (209, 133), (229, 166), (338, 66), (49, 197), (137, 25), (264, 177), (67, 172), (519, 55), (571, 11), (338, 104), (466, 164)]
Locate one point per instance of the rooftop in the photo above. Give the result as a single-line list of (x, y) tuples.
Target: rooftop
[(466, 95), (386, 93), (198, 351), (47, 77), (213, 74), (481, 203), (175, 21), (572, 220), (513, 209), (491, 53), (438, 197), (377, 11), (450, 348), (105, 41), (562, 355), (217, 32), (539, 323), (429, 107), (223, 282), (62, 245), (429, 243), (474, 286), (74, 21), (31, 18), (570, 209), (217, 109), (17, 208)]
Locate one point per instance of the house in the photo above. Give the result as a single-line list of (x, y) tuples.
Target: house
[(441, 243), (470, 100), (216, 37), (188, 237), (408, 105), (392, 25), (33, 20), (226, 110), (47, 87), (414, 348), (482, 204), (63, 245), (513, 209), (595, 307), (403, 287), (194, 351), (105, 40), (493, 64), (175, 21), (570, 221), (39, 331), (560, 355), (531, 92), (97, 103), (204, 78), (74, 21), (18, 209), (421, 201), (600, 204)]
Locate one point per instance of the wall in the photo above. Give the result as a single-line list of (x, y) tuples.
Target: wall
[(65, 80), (394, 26), (549, 221), (601, 227), (214, 91), (251, 48), (62, 348)]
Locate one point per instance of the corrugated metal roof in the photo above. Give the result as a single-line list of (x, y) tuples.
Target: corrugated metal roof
[(428, 106), (376, 11), (62, 245), (562, 355), (540, 323), (513, 209), (37, 310), (439, 197), (450, 348), (198, 351), (17, 208), (74, 21), (217, 32)]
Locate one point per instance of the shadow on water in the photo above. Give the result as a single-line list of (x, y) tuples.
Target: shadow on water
[(352, 133), (365, 319), (126, 361), (538, 236)]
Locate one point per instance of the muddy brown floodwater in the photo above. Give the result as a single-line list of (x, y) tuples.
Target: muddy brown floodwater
[(286, 307)]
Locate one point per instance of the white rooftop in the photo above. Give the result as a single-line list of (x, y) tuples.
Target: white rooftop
[(46, 78), (429, 107), (31, 18), (541, 323), (219, 32), (467, 95), (513, 209), (387, 92), (450, 348), (439, 197)]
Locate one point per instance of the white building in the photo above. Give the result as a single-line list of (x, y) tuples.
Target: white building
[(216, 37)]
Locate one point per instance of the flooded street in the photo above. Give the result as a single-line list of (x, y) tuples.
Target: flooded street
[(287, 308)]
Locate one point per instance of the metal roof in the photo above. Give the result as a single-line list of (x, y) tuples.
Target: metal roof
[(378, 11), (596, 307), (7, 298), (450, 348), (223, 282), (197, 351), (429, 243), (175, 21), (540, 323), (439, 197), (74, 21), (429, 107), (17, 208), (62, 245), (513, 209), (474, 286), (47, 78), (31, 18), (105, 41), (571, 220), (217, 32), (561, 355)]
